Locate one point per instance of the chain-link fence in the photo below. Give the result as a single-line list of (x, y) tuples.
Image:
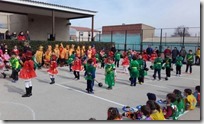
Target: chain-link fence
[(188, 37)]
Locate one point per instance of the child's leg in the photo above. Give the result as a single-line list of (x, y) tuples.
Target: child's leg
[(75, 74), (78, 75), (3, 73), (179, 70), (30, 88), (70, 67), (187, 66), (15, 75), (27, 85), (155, 71), (190, 68), (135, 81), (126, 69), (89, 85), (159, 73)]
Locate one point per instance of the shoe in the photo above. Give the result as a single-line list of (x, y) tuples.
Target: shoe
[(166, 78), (140, 83), (4, 75), (27, 93), (91, 92), (13, 81)]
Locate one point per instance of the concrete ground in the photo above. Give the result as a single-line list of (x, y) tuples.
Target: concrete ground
[(67, 98)]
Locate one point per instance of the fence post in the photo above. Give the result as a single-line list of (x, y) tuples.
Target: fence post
[(125, 40), (160, 46), (111, 36), (141, 44), (184, 31)]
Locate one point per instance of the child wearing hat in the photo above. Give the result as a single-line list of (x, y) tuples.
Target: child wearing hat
[(27, 73), (142, 69), (53, 68), (134, 73)]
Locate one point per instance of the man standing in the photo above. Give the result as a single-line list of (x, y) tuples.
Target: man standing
[(175, 53), (183, 53)]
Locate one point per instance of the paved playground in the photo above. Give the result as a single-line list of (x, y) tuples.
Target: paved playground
[(67, 98)]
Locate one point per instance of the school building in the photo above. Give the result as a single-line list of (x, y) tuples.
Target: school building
[(44, 21)]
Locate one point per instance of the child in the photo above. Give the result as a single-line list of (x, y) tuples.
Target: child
[(179, 63), (134, 73), (179, 101), (110, 74), (53, 68), (15, 64), (89, 75), (157, 66), (113, 114), (77, 67), (47, 56), (6, 58), (39, 56), (189, 61), (142, 69), (167, 66), (27, 73), (190, 100), (125, 64), (156, 112), (70, 61), (151, 96), (146, 112), (197, 94), (102, 56), (171, 110), (117, 58), (2, 65), (15, 50)]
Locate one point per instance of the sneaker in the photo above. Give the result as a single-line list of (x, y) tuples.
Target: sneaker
[(13, 81), (91, 92)]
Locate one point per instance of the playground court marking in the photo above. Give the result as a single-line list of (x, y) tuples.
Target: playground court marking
[(23, 105)]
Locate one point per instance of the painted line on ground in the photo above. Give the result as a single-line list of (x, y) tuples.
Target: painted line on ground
[(92, 95), (20, 104)]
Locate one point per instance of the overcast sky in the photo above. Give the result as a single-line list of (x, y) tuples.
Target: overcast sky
[(156, 13)]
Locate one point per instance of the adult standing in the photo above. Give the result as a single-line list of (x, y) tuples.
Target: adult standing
[(27, 35), (197, 59), (167, 52), (8, 35), (183, 53), (175, 53), (113, 49), (149, 51), (21, 36)]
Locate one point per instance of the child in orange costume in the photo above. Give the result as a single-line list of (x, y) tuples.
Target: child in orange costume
[(27, 73), (77, 67), (39, 56), (78, 51), (83, 50), (47, 56), (71, 50), (56, 50), (67, 54), (62, 54), (89, 52), (53, 68)]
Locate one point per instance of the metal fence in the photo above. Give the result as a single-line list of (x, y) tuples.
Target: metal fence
[(188, 37)]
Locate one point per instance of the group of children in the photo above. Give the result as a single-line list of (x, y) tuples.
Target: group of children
[(81, 59), (172, 108)]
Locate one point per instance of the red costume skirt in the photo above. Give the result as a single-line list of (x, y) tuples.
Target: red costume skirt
[(27, 74), (52, 71)]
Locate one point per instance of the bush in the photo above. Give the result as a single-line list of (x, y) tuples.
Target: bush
[(35, 44)]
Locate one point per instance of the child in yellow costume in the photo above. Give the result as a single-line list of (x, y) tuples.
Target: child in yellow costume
[(71, 50), (62, 55), (89, 52), (47, 56), (83, 50), (56, 50), (39, 56), (66, 54), (78, 51)]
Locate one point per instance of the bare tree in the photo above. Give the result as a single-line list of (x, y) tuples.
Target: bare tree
[(179, 31)]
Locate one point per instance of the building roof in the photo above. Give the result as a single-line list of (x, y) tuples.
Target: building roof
[(31, 7), (83, 29), (129, 25)]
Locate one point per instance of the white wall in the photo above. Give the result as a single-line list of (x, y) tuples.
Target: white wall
[(41, 26), (18, 23)]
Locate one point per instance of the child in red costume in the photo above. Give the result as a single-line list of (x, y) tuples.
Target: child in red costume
[(53, 68), (77, 67), (125, 64), (153, 56), (27, 73)]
